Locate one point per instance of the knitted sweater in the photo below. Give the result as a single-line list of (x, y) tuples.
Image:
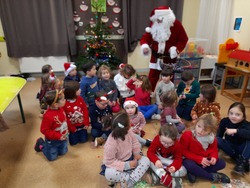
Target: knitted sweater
[(162, 87), (243, 131), (201, 108), (191, 93), (192, 149), (173, 151), (121, 82), (117, 151), (137, 122)]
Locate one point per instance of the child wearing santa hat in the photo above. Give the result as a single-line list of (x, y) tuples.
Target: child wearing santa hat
[(70, 72), (137, 120)]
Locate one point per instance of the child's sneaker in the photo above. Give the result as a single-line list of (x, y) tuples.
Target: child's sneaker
[(156, 116), (177, 183), (148, 142), (99, 141), (39, 144)]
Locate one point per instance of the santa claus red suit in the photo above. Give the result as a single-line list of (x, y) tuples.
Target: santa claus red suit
[(164, 39)]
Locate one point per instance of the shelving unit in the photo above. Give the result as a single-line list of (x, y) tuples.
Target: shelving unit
[(207, 68), (195, 68)]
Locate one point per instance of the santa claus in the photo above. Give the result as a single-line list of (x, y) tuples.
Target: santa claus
[(164, 39)]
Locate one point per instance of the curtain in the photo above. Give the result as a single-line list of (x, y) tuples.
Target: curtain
[(213, 23), (35, 28), (136, 15)]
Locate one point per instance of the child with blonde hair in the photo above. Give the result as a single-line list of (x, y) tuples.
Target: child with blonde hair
[(200, 149), (108, 85), (168, 115), (143, 89), (122, 159), (166, 157), (207, 103), (54, 127)]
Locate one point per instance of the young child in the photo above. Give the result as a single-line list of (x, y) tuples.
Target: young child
[(164, 85), (168, 115), (108, 85), (76, 112), (188, 91), (142, 88), (234, 137), (54, 127), (48, 82), (199, 147), (96, 112), (70, 72), (125, 73), (88, 84), (166, 157), (137, 120), (207, 103), (122, 157)]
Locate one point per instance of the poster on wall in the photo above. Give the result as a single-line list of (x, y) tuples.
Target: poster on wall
[(237, 23)]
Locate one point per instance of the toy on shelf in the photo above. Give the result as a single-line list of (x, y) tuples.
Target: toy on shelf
[(195, 48), (225, 49)]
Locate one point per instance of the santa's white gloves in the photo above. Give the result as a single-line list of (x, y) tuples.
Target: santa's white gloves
[(173, 52)]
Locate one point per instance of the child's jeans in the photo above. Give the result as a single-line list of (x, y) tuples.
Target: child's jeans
[(148, 110), (80, 136), (53, 148), (184, 111)]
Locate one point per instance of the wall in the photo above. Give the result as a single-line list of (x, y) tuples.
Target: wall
[(190, 18)]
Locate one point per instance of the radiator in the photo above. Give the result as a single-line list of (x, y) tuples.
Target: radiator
[(34, 64)]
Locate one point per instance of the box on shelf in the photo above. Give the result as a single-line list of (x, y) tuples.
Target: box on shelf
[(195, 47)]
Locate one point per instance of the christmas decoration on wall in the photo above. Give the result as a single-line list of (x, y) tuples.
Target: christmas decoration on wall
[(98, 47)]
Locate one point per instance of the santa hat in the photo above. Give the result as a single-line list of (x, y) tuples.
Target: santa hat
[(160, 12), (68, 67), (52, 75), (130, 101)]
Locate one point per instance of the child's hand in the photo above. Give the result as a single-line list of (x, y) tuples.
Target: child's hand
[(64, 136), (160, 106), (194, 117), (137, 156), (171, 169), (205, 162), (158, 164), (212, 161), (86, 127), (133, 163), (231, 131)]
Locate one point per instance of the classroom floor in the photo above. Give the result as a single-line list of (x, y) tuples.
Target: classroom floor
[(21, 166)]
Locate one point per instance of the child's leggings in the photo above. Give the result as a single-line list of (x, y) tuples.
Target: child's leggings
[(133, 175)]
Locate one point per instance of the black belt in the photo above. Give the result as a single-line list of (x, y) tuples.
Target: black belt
[(160, 56)]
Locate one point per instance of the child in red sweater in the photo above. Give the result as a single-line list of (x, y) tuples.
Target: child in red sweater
[(54, 127), (199, 147), (77, 113), (143, 89), (166, 158)]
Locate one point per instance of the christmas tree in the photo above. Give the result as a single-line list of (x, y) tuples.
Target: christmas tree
[(98, 47)]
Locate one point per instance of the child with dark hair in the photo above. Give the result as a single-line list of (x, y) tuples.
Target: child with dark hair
[(76, 112), (88, 84), (207, 103), (143, 89), (125, 73), (234, 137), (137, 120), (168, 115), (48, 82), (96, 112), (200, 149), (108, 85), (188, 91), (70, 72), (54, 127), (166, 157), (122, 158), (164, 85)]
